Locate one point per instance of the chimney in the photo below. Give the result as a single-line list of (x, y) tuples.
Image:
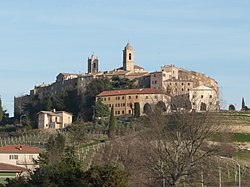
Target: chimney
[(54, 110)]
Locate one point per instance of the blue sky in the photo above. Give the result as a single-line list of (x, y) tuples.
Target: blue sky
[(40, 39)]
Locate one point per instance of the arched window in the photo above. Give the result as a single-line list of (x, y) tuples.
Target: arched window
[(129, 56), (147, 108)]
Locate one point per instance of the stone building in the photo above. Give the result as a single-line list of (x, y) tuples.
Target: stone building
[(204, 99), (124, 100), (180, 84)]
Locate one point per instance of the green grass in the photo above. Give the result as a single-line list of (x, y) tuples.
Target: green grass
[(241, 137)]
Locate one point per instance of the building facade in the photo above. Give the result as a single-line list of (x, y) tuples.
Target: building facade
[(19, 155), (124, 100), (54, 120)]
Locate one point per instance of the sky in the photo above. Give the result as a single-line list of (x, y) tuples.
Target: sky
[(40, 39)]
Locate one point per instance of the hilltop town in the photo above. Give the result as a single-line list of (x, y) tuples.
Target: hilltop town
[(174, 86)]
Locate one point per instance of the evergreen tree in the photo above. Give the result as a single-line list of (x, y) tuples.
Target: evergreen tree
[(112, 124), (231, 107), (243, 105), (1, 110), (101, 110), (137, 112)]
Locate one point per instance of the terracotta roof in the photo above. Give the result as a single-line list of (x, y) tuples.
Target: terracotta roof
[(18, 149), (11, 168), (129, 91)]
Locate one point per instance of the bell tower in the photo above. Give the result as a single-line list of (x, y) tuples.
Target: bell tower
[(93, 64), (128, 58)]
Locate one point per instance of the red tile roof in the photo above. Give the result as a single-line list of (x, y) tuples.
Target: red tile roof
[(129, 91), (18, 149), (11, 168)]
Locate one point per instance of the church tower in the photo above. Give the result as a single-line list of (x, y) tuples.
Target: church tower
[(93, 64), (128, 58)]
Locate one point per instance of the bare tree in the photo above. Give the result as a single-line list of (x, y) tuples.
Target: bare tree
[(174, 146)]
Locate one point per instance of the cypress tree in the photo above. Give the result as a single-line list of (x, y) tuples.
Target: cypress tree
[(137, 110), (112, 123), (243, 105)]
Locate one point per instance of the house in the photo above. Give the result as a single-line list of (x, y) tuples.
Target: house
[(55, 119), (11, 171), (19, 155), (124, 100)]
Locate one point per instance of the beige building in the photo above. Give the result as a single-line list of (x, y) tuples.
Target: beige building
[(203, 98), (124, 100), (19, 155), (180, 84), (54, 120)]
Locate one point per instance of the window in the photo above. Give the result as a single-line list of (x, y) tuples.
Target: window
[(136, 97), (129, 111), (123, 97), (188, 90), (118, 112), (182, 89), (118, 104), (104, 98), (13, 157), (109, 98), (193, 103), (94, 65), (115, 112), (129, 97), (123, 112), (201, 96), (182, 84), (156, 97), (118, 98), (188, 84), (211, 96), (153, 82), (123, 104), (129, 56), (146, 97)]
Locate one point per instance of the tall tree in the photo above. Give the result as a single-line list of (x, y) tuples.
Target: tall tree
[(1, 110), (100, 109), (137, 112), (112, 124), (243, 105)]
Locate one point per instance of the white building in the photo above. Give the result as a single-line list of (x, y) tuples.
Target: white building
[(203, 98), (19, 155), (55, 120)]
